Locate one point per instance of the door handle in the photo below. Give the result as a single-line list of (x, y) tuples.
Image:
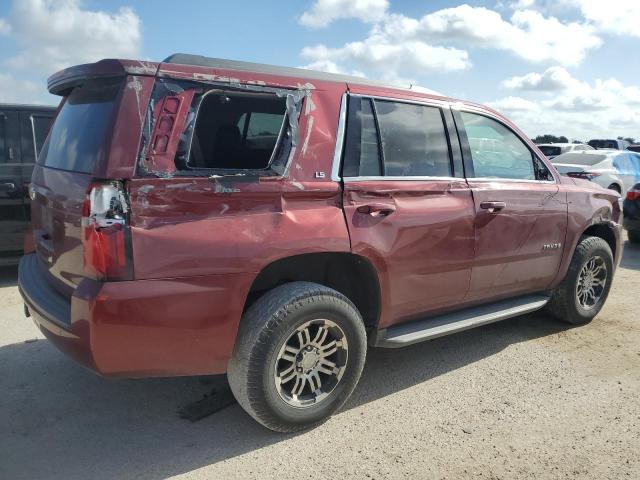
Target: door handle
[(493, 207), (376, 209), (7, 186)]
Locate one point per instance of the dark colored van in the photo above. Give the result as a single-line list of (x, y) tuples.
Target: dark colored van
[(204, 216), (23, 129)]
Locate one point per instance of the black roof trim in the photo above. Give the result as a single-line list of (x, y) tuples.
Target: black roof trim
[(200, 61)]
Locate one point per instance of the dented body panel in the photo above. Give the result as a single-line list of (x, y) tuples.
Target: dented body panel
[(199, 239)]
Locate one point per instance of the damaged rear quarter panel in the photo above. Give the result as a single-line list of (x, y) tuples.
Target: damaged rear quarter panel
[(186, 227)]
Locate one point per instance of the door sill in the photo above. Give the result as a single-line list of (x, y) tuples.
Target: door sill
[(433, 327)]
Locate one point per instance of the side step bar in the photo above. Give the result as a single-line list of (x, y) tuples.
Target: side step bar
[(438, 326)]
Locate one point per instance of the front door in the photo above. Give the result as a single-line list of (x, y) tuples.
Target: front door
[(521, 216), (406, 211), (12, 202)]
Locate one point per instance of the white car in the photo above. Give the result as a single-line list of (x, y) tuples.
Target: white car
[(614, 169), (552, 150)]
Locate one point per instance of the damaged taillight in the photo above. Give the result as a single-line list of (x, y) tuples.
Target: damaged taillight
[(106, 237)]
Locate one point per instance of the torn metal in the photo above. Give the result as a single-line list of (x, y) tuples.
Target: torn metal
[(288, 139)]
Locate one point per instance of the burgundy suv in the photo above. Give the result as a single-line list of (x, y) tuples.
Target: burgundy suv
[(203, 216)]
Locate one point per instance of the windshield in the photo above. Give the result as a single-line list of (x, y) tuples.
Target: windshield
[(549, 150), (579, 158), (79, 135)]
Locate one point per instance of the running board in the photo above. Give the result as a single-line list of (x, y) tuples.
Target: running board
[(438, 326)]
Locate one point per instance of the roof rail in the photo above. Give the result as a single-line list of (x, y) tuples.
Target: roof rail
[(200, 61)]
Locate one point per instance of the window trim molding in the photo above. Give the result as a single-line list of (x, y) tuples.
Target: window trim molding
[(340, 137), (402, 179)]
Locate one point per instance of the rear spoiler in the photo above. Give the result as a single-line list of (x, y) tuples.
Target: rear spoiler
[(61, 83)]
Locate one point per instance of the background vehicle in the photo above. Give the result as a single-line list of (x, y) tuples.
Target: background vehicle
[(634, 148), (611, 169), (613, 144), (203, 216), (631, 213), (23, 129), (552, 150)]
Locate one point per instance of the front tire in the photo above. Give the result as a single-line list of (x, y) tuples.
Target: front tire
[(299, 355), (582, 293)]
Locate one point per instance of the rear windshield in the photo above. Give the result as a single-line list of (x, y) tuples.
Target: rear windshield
[(579, 158), (550, 151), (79, 135)]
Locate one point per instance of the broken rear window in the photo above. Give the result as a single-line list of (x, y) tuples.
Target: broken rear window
[(197, 128), (236, 130)]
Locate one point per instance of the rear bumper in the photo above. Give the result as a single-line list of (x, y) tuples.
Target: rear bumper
[(140, 328)]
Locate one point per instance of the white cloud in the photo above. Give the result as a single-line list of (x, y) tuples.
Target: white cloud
[(383, 57), (552, 79), (57, 34), (437, 42), (515, 104), (13, 90), (527, 34), (5, 27), (324, 12), (575, 108), (620, 17)]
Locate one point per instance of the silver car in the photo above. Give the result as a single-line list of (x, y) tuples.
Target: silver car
[(614, 169)]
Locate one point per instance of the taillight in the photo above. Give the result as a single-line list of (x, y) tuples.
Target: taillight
[(584, 175), (106, 237), (633, 194)]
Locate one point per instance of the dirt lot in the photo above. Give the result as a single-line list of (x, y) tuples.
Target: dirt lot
[(526, 398)]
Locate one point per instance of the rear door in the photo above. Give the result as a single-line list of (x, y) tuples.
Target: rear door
[(407, 205), (12, 202), (520, 215)]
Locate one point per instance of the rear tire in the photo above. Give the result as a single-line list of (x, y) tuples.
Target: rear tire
[(615, 187), (582, 293), (298, 356), (634, 236)]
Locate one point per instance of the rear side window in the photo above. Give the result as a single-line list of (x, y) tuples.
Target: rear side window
[(81, 131), (235, 130), (497, 152), (395, 139)]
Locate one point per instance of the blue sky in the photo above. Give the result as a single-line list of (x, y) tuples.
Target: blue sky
[(565, 67)]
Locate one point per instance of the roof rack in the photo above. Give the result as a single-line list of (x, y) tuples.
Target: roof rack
[(200, 61)]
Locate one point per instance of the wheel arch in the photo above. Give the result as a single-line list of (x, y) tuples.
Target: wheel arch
[(606, 232), (352, 275)]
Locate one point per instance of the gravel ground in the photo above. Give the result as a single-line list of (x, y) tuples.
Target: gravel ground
[(525, 398)]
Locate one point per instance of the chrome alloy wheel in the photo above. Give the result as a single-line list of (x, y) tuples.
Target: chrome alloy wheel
[(311, 363), (591, 282)]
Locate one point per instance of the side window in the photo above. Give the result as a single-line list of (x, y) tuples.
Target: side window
[(40, 127), (261, 131), (362, 151), (235, 131), (497, 152), (3, 139), (414, 142), (395, 139)]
